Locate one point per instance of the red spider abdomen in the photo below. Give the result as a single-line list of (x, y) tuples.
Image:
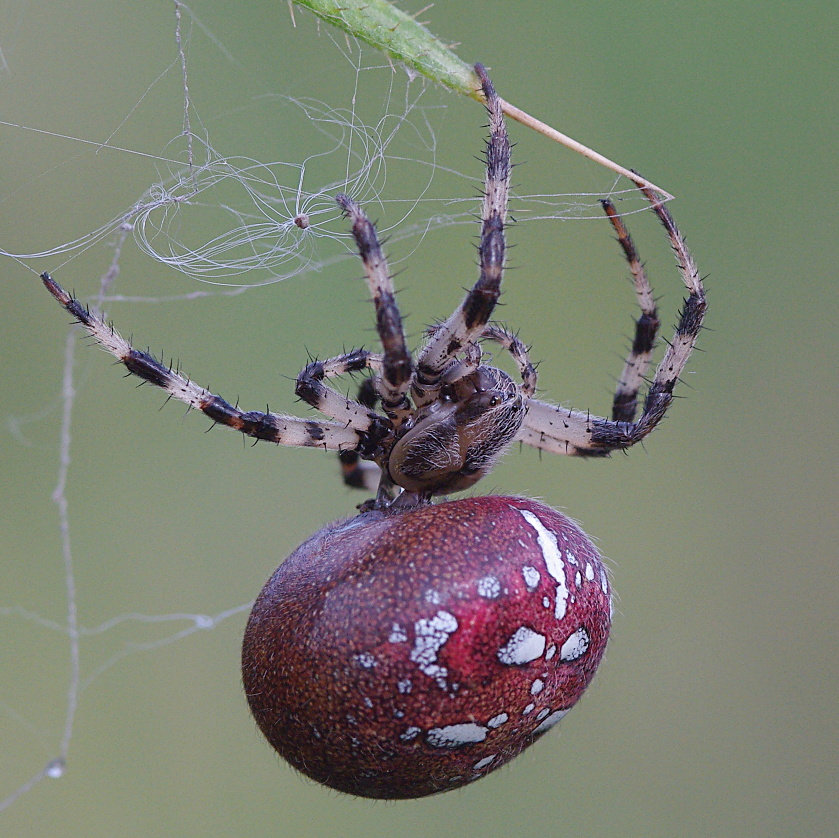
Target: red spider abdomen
[(396, 655)]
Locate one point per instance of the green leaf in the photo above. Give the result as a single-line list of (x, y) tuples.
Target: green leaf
[(399, 36)]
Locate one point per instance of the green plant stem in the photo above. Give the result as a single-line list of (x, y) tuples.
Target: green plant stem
[(402, 38)]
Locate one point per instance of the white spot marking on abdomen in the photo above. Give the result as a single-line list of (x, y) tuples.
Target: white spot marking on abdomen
[(453, 736), (550, 721), (553, 559), (430, 635), (524, 645), (576, 646)]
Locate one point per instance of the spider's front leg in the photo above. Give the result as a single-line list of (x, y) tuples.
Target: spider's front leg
[(361, 468), (273, 427), (469, 319), (358, 473), (393, 371), (519, 353)]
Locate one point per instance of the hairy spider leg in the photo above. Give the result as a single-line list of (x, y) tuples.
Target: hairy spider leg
[(272, 427), (359, 467), (397, 364), (354, 414), (625, 404), (513, 344), (467, 361), (563, 431), (557, 429), (473, 355), (467, 322)]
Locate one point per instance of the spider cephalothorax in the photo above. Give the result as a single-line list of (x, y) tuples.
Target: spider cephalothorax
[(418, 646), (454, 441)]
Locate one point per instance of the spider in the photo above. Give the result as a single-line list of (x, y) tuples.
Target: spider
[(445, 417), (417, 647)]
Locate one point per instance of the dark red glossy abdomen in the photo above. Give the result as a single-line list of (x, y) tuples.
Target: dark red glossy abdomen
[(400, 655)]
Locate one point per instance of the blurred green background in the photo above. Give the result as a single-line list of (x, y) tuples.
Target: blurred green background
[(714, 712)]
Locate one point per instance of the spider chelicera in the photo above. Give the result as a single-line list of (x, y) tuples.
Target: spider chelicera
[(445, 416)]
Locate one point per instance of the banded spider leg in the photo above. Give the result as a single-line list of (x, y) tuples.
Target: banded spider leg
[(272, 427), (561, 430)]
